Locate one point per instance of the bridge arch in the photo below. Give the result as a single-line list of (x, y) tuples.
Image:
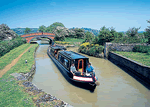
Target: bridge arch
[(50, 42), (31, 36)]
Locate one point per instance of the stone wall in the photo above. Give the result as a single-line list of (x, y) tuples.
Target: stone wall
[(137, 68), (119, 47)]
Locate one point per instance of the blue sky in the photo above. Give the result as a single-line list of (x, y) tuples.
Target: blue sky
[(76, 13)]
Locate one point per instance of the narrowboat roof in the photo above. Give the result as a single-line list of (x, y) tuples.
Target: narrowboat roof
[(73, 55), (58, 47)]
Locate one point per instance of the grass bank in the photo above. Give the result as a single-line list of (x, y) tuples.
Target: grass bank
[(11, 94), (72, 40), (142, 58), (8, 57)]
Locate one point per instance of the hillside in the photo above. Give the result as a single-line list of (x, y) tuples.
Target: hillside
[(94, 31), (20, 31)]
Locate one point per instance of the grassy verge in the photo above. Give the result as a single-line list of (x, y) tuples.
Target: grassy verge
[(8, 57), (11, 94), (136, 56), (74, 41)]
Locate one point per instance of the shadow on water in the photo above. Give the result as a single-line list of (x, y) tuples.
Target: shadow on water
[(40, 42), (132, 73)]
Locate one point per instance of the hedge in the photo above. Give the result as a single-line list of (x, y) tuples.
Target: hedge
[(91, 49), (141, 49), (6, 46)]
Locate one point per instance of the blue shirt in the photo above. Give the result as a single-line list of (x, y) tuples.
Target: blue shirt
[(89, 69)]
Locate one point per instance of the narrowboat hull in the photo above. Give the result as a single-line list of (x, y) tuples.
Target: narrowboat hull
[(68, 75)]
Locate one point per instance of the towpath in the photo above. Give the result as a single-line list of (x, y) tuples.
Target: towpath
[(6, 68)]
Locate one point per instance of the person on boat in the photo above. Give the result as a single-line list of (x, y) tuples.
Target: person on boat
[(55, 53), (73, 69), (90, 69)]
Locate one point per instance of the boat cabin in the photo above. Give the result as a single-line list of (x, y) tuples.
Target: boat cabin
[(55, 50), (66, 58)]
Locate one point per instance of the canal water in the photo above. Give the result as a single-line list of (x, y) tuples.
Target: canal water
[(117, 88)]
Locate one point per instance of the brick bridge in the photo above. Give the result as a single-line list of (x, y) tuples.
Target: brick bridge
[(31, 36)]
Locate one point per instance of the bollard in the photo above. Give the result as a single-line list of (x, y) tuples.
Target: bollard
[(26, 61)]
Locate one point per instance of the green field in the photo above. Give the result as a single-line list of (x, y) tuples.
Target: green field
[(142, 58), (74, 41), (8, 57), (11, 94)]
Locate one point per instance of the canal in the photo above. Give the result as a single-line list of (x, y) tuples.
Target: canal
[(117, 88)]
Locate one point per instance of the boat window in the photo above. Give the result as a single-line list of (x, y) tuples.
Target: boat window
[(66, 62), (59, 57), (52, 51), (62, 59)]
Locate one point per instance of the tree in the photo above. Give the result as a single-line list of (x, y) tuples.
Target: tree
[(27, 30), (147, 33), (95, 41), (120, 34), (58, 38), (105, 35), (79, 33), (132, 32), (53, 26), (42, 28), (88, 36)]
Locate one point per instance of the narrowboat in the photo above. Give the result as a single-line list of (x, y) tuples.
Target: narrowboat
[(63, 60)]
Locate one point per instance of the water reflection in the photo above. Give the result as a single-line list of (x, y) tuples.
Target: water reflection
[(117, 88)]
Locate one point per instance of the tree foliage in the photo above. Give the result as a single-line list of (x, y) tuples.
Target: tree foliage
[(42, 28), (53, 26), (58, 38), (6, 46), (106, 35), (95, 40), (147, 33), (27, 30), (88, 36), (79, 33), (132, 32)]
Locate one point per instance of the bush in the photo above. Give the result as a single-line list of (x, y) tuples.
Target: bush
[(99, 49), (96, 45), (141, 49), (63, 43), (126, 39), (57, 38), (92, 51), (148, 40), (86, 44), (6, 46), (80, 48)]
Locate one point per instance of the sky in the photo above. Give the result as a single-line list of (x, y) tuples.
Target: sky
[(120, 14)]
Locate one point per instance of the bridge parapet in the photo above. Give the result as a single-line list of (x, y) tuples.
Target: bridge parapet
[(30, 36), (39, 33)]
